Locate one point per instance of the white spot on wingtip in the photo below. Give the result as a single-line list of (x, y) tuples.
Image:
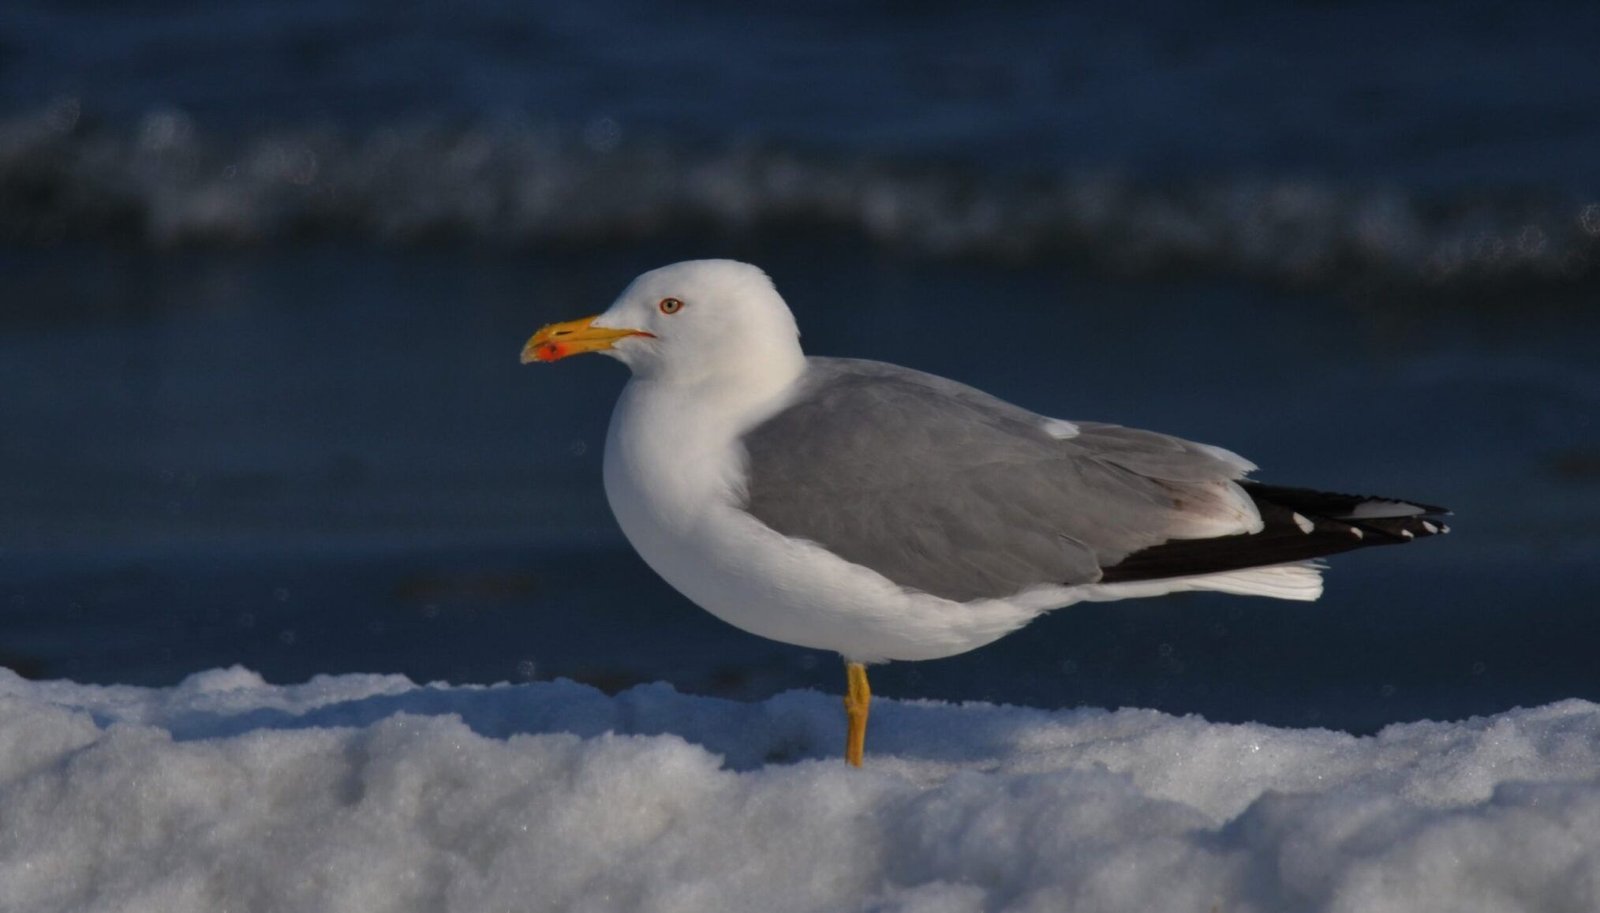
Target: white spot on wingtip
[(1430, 527), (1306, 526), (1408, 534), (1356, 531), (1060, 429)]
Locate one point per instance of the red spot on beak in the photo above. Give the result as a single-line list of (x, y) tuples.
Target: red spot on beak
[(559, 340)]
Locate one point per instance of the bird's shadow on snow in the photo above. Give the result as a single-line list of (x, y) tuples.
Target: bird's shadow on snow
[(789, 727)]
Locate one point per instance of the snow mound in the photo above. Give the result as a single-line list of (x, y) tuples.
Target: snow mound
[(371, 793)]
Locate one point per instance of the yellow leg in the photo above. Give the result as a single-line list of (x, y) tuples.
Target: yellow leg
[(856, 702)]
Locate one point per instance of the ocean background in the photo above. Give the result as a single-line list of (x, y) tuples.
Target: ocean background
[(265, 269)]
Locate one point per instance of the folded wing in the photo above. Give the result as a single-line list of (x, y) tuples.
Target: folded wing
[(945, 489)]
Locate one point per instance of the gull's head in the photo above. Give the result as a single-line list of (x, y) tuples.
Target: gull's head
[(699, 318)]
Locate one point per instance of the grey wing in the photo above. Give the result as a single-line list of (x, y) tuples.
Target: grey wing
[(945, 489)]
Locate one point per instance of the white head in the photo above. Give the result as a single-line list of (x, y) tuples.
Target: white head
[(718, 321)]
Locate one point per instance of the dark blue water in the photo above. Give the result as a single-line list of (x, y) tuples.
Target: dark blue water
[(1299, 144), (1473, 94), (264, 271)]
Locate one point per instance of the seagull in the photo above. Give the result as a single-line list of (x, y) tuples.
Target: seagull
[(883, 513)]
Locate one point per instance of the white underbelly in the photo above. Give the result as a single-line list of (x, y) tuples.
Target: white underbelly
[(799, 593), (680, 513)]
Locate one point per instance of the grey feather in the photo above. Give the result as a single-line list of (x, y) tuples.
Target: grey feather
[(945, 489)]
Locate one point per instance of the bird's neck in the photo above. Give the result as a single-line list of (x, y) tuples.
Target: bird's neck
[(731, 392), (710, 408)]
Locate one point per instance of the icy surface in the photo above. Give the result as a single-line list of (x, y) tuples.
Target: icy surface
[(372, 793)]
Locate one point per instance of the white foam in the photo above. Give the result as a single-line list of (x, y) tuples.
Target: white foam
[(368, 792), (171, 180)]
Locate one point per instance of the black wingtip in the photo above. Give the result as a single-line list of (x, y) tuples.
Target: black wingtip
[(1298, 524)]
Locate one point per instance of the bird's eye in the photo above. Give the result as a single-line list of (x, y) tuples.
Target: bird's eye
[(671, 305)]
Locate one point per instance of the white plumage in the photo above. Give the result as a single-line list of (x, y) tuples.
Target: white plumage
[(886, 514), (675, 476)]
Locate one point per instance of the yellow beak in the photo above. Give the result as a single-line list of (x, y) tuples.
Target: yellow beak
[(558, 340)]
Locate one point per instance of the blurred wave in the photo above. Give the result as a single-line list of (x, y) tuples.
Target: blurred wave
[(165, 182)]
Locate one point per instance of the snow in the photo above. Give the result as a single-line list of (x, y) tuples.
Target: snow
[(371, 793)]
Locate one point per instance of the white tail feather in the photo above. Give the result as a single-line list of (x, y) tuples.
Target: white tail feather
[(1301, 581)]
